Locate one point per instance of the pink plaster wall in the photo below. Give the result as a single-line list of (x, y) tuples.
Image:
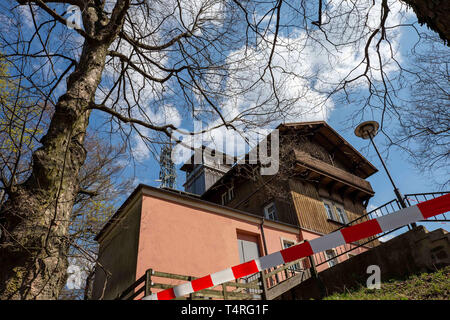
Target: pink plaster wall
[(179, 239)]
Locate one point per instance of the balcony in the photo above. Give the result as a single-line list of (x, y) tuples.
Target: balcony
[(331, 176)]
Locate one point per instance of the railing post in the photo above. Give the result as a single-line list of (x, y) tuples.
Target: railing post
[(315, 275), (312, 269), (404, 205), (224, 291), (148, 282), (263, 286), (191, 295)]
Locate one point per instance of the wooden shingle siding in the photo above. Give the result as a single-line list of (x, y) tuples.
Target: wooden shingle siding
[(309, 207), (308, 204), (310, 210)]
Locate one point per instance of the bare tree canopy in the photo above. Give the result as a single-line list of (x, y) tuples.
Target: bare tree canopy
[(139, 70), (424, 130)]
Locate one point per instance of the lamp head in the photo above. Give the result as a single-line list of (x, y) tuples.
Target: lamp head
[(367, 128)]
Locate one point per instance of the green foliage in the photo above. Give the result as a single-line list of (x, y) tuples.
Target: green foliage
[(20, 125), (426, 286)]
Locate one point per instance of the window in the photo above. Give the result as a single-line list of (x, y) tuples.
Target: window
[(342, 217), (335, 211), (270, 211), (231, 193), (224, 198), (330, 254), (227, 196), (287, 244), (328, 210)]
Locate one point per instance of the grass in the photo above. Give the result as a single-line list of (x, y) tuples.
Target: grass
[(426, 286)]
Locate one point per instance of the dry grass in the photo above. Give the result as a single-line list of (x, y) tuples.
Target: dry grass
[(426, 286)]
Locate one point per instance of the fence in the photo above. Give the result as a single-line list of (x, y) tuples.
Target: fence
[(277, 275), (387, 208), (247, 288), (415, 198), (241, 289)]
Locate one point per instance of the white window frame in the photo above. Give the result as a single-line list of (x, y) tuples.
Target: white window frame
[(336, 217), (231, 193), (284, 241), (334, 261), (266, 214), (330, 205), (224, 198), (345, 217)]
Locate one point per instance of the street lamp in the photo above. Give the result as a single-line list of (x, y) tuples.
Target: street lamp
[(368, 130)]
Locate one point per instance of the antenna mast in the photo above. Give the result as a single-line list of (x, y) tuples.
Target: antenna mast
[(167, 172)]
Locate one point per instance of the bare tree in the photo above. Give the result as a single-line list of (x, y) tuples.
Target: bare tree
[(424, 116), (100, 179), (102, 186), (141, 63)]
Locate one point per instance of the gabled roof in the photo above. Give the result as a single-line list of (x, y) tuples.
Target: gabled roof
[(330, 140), (327, 137)]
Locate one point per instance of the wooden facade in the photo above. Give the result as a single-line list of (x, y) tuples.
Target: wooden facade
[(308, 203), (317, 166)]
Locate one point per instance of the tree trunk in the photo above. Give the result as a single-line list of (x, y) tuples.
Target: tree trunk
[(435, 14), (34, 243)]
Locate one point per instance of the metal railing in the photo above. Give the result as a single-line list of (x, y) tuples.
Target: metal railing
[(416, 198), (385, 209)]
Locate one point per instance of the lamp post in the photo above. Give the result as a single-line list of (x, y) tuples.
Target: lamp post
[(368, 130)]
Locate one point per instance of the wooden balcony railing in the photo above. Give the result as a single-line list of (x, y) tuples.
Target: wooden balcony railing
[(241, 289), (325, 169)]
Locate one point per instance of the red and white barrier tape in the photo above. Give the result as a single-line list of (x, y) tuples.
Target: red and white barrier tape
[(351, 234)]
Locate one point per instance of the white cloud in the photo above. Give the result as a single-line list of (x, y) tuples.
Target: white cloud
[(27, 16), (306, 67)]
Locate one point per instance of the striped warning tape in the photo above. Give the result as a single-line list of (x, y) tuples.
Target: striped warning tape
[(351, 234)]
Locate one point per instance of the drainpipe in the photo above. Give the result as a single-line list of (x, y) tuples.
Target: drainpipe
[(263, 237), (265, 253)]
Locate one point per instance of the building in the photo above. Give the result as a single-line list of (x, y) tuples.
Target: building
[(204, 168), (320, 186)]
